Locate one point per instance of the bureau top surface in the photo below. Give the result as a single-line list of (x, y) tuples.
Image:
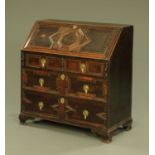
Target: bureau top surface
[(78, 39)]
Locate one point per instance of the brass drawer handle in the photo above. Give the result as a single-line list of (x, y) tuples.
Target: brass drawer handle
[(62, 76), (86, 88), (43, 62), (85, 114), (40, 105), (41, 82), (62, 100), (83, 67)]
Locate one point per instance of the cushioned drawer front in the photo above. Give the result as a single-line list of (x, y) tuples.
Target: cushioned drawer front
[(42, 103), (88, 86), (44, 62), (85, 66), (39, 79), (85, 110)]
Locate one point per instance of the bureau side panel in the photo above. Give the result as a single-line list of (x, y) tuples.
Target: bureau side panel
[(120, 79)]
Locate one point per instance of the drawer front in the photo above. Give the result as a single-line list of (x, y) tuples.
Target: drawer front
[(62, 83), (85, 67), (44, 62), (39, 79), (51, 105), (88, 86), (85, 110)]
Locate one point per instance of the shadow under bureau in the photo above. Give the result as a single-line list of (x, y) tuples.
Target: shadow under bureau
[(79, 74)]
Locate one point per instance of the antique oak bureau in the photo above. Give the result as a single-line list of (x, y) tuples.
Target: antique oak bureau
[(79, 74)]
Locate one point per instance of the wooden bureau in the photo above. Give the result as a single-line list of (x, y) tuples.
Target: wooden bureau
[(79, 74)]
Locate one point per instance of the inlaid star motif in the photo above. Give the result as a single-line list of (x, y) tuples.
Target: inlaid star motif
[(69, 38), (101, 115), (69, 108)]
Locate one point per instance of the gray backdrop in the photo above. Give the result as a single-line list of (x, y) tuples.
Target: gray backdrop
[(46, 139)]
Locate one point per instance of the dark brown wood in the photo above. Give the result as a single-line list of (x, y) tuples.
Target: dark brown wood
[(78, 74), (24, 118), (121, 77)]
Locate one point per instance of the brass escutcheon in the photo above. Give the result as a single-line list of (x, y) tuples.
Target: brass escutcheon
[(62, 76), (40, 105), (62, 100), (41, 81), (85, 114), (86, 88), (83, 68), (43, 62)]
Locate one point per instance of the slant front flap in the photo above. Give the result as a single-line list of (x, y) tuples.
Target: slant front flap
[(75, 39)]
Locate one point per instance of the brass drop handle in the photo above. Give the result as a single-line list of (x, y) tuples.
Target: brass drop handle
[(85, 114), (43, 62), (62, 76), (83, 68), (41, 82), (40, 105), (62, 100), (86, 88)]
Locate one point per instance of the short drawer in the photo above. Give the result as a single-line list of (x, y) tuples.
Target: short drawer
[(85, 110), (85, 67), (43, 80), (39, 79), (44, 62), (88, 86), (42, 103)]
